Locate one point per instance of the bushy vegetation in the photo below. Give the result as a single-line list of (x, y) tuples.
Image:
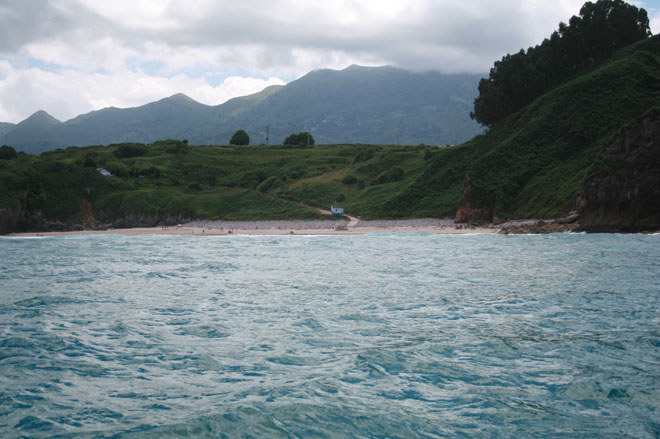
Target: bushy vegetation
[(7, 152), (517, 80), (240, 137), (127, 150), (215, 182), (303, 138)]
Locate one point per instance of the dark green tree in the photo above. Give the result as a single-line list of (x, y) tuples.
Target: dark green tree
[(516, 80), (89, 162), (127, 150), (7, 152), (240, 137), (303, 138)]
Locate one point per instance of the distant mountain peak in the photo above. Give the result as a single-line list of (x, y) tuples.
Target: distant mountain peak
[(41, 114), (358, 67), (181, 97), (353, 67), (178, 99), (40, 118)]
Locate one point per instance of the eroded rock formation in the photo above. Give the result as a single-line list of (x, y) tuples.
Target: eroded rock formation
[(622, 193)]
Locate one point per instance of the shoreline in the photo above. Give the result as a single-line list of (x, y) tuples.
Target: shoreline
[(231, 228), (198, 231), (359, 229)]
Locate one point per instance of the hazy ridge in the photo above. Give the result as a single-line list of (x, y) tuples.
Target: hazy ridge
[(357, 104)]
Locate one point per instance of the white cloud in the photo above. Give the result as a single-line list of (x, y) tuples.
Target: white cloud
[(72, 56), (98, 54), (265, 33), (67, 93), (654, 19)]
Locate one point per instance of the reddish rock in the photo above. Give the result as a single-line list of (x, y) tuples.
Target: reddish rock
[(468, 214)]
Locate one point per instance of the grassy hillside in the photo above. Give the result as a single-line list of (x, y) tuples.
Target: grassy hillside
[(528, 165), (531, 163), (215, 182)]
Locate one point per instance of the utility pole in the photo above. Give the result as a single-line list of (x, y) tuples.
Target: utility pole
[(267, 134)]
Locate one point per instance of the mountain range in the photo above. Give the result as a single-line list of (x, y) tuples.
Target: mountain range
[(376, 105)]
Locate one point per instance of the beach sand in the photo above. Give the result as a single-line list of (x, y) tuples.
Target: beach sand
[(217, 228)]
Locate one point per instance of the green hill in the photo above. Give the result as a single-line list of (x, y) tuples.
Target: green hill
[(532, 163), (535, 163)]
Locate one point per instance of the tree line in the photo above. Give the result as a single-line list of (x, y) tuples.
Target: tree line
[(240, 137), (516, 80)]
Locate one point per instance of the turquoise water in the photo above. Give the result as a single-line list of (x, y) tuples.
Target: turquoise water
[(375, 336)]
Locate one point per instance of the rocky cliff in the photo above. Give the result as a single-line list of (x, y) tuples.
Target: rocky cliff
[(18, 219), (9, 217), (622, 192)]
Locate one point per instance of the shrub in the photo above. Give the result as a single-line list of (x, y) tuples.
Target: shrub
[(151, 171), (303, 138), (89, 162), (173, 146), (117, 168), (363, 156), (7, 152), (251, 179), (130, 150), (240, 137), (383, 177), (394, 174), (349, 179), (270, 183)]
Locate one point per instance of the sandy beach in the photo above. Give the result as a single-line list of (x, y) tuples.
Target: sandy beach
[(352, 227)]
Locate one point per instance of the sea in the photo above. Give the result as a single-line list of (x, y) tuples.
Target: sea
[(406, 335)]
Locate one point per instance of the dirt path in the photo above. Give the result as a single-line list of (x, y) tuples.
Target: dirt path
[(352, 221)]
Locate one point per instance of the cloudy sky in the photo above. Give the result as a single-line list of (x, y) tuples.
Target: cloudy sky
[(73, 56)]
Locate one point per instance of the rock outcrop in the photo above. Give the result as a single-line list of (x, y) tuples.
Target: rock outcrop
[(18, 219), (9, 217), (468, 214), (86, 216), (622, 193)]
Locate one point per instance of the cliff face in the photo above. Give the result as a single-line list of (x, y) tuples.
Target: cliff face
[(622, 194), (18, 219), (9, 217)]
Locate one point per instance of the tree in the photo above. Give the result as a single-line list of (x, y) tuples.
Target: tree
[(516, 80), (240, 137), (303, 138), (127, 150), (7, 152), (89, 162)]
